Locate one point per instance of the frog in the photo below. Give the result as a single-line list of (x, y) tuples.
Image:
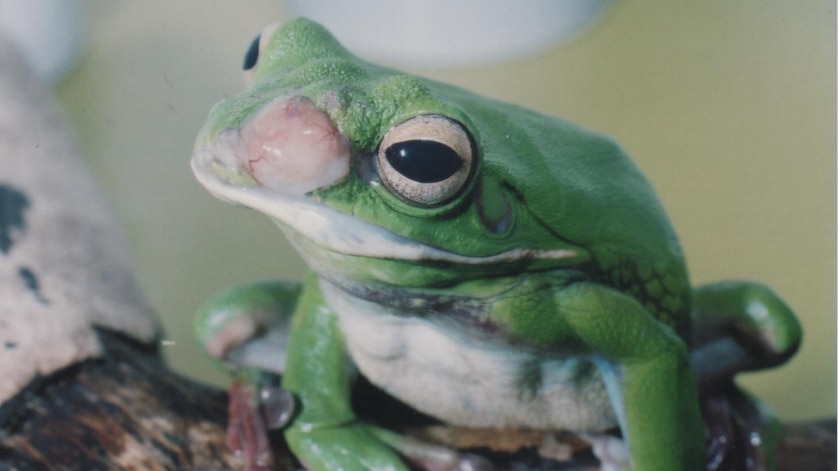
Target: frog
[(487, 265)]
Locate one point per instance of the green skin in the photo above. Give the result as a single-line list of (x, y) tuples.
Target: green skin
[(538, 184)]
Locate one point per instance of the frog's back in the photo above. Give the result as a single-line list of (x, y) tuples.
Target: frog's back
[(585, 189)]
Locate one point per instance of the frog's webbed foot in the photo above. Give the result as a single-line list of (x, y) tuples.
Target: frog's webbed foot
[(432, 457), (451, 460), (255, 406), (362, 447)]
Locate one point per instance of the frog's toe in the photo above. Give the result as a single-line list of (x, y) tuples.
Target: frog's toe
[(462, 462), (219, 343), (255, 407), (776, 330), (246, 429), (470, 462), (612, 452), (277, 406), (742, 432), (432, 457)]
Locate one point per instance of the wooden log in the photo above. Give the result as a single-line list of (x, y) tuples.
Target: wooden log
[(808, 446), (128, 411), (125, 410)]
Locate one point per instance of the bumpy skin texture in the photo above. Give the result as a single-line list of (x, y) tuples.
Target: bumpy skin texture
[(551, 266)]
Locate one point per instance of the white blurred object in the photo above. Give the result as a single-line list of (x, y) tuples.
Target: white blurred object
[(450, 33), (49, 34)]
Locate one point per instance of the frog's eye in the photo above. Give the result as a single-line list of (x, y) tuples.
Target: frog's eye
[(425, 160), (251, 57), (252, 54)]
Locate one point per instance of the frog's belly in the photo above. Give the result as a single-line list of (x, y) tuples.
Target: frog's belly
[(469, 382)]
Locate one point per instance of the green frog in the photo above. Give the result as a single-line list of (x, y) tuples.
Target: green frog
[(485, 264)]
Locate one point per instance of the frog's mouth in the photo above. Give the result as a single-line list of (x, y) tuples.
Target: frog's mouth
[(334, 230), (288, 149)]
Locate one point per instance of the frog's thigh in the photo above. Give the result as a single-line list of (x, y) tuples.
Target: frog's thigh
[(645, 368)]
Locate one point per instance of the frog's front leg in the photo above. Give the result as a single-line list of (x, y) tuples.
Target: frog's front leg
[(326, 435), (245, 328), (646, 372)]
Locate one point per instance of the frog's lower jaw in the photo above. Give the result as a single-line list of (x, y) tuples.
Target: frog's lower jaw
[(469, 382)]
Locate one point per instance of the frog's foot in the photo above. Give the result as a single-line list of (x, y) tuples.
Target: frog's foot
[(432, 457), (253, 409), (362, 447), (742, 433)]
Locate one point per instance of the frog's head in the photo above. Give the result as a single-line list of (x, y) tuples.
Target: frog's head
[(379, 175)]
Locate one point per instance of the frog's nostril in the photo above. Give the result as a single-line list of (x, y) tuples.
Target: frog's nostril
[(292, 147)]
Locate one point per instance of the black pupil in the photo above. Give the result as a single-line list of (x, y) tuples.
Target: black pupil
[(424, 161), (252, 54)]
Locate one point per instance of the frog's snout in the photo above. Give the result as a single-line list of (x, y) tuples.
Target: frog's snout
[(292, 147)]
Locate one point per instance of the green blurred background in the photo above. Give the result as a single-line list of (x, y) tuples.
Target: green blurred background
[(728, 106)]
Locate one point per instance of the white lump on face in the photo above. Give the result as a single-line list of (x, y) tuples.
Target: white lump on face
[(467, 381), (288, 148), (293, 148)]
